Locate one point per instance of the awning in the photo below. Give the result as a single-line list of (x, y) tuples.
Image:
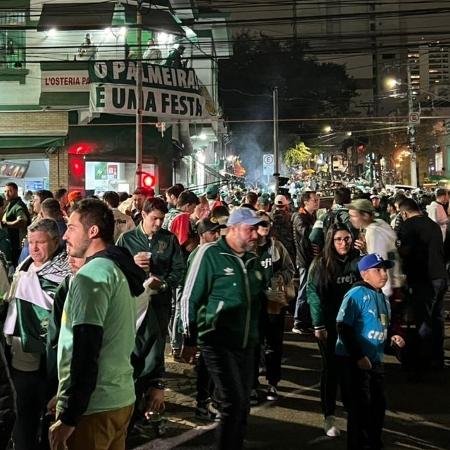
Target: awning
[(76, 16), (154, 20), (27, 142)]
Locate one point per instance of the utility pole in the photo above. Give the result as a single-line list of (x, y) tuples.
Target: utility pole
[(276, 145), (411, 130), (139, 97)]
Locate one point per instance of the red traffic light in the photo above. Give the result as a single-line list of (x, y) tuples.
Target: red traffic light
[(147, 180)]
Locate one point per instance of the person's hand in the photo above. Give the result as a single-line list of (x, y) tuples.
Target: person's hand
[(315, 249), (191, 246), (398, 341), (154, 402), (188, 354), (51, 406), (360, 244), (58, 433), (142, 261), (154, 283), (321, 335), (364, 363)]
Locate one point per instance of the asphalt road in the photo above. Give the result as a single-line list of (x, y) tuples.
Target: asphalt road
[(418, 415)]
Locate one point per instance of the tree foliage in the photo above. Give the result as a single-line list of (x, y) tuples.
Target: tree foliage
[(307, 88), (297, 155)]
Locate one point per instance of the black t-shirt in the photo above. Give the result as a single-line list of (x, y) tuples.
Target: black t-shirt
[(422, 249)]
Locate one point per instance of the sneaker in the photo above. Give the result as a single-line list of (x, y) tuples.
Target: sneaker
[(330, 427), (272, 393), (254, 398), (305, 331), (202, 411)]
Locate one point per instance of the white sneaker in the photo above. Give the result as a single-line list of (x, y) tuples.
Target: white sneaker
[(330, 427)]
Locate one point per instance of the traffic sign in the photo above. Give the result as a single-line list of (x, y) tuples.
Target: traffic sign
[(268, 164), (414, 117)]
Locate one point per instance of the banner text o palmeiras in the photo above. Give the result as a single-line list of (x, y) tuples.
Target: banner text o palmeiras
[(168, 92)]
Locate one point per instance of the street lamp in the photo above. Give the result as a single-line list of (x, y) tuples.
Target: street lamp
[(327, 129)]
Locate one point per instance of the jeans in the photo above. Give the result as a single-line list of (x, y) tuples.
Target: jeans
[(205, 386), (31, 402), (232, 373), (364, 400), (329, 375), (176, 337), (273, 334), (428, 308), (302, 315)]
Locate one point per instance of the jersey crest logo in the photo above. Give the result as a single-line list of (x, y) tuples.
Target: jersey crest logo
[(228, 271)]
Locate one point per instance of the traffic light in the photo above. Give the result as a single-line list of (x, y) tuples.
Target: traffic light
[(147, 180)]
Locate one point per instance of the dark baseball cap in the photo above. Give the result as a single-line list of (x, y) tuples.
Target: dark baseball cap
[(207, 225)]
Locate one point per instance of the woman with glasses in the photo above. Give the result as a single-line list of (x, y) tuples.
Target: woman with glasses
[(331, 275), (277, 265)]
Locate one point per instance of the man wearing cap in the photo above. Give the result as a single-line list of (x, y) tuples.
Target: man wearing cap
[(378, 237), (212, 194), (220, 312), (362, 325), (282, 228)]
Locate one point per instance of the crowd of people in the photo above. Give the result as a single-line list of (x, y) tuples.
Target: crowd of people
[(95, 289)]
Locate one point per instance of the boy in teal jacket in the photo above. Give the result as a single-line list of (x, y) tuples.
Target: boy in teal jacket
[(362, 325)]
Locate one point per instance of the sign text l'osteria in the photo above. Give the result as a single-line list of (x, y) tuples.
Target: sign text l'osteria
[(167, 92)]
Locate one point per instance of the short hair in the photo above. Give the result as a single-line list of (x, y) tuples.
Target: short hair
[(123, 196), (112, 198), (152, 204), (175, 190), (187, 198), (148, 192), (47, 226), (440, 192), (306, 196), (251, 197), (52, 208), (220, 211), (342, 195), (43, 194), (409, 205), (60, 193), (12, 184), (95, 212), (399, 197)]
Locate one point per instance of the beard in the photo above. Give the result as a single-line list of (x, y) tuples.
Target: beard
[(79, 250)]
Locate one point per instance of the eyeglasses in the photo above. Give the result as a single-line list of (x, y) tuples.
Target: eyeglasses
[(264, 224), (345, 239)]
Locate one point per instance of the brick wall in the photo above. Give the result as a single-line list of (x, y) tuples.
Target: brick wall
[(59, 170), (34, 123)]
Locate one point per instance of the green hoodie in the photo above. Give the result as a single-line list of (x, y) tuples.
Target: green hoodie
[(222, 297)]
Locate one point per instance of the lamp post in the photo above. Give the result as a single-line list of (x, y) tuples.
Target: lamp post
[(276, 145), (411, 131), (139, 99)]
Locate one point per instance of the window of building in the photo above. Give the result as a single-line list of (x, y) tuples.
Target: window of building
[(13, 41)]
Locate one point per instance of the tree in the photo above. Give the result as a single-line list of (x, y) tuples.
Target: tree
[(298, 155), (306, 87)]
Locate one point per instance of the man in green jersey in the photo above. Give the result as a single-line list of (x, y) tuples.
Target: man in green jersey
[(96, 391)]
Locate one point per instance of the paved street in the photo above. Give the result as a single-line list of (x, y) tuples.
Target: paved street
[(418, 415)]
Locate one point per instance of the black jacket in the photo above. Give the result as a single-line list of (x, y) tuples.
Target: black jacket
[(422, 249), (302, 223)]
